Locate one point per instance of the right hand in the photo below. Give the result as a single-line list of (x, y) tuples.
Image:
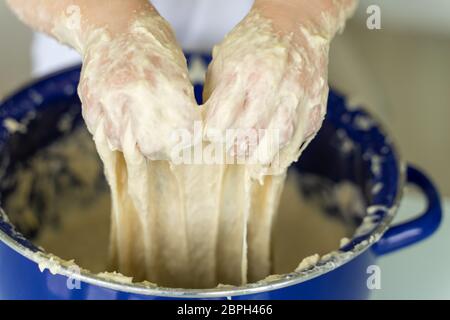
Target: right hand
[(137, 83)]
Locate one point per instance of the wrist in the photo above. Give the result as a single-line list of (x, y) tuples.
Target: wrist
[(79, 25), (284, 15), (320, 17)]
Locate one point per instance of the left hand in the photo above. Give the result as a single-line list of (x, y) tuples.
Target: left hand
[(272, 76)]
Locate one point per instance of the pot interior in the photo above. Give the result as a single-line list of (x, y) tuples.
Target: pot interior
[(53, 190)]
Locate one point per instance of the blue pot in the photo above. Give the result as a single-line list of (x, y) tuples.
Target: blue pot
[(371, 163)]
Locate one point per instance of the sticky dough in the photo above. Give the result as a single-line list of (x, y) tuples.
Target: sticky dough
[(188, 225), (184, 225)]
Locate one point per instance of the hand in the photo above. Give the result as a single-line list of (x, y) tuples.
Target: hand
[(269, 73), (137, 84)]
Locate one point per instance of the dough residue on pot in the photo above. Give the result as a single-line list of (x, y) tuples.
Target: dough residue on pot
[(75, 222)]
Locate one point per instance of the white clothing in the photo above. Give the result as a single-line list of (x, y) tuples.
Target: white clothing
[(198, 24)]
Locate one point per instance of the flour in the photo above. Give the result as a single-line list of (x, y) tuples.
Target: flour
[(13, 126)]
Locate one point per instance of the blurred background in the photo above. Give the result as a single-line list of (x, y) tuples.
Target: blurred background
[(401, 73)]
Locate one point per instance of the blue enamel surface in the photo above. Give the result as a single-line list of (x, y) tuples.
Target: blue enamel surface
[(56, 94), (413, 231)]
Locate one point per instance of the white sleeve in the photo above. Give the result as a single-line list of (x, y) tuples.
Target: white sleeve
[(201, 24), (47, 55)]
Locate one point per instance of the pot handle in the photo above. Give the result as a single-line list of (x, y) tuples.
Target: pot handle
[(416, 230)]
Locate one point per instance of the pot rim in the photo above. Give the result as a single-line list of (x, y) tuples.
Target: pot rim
[(66, 269), (335, 260)]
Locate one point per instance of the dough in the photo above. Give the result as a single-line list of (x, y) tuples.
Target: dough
[(185, 225), (75, 221), (188, 225)]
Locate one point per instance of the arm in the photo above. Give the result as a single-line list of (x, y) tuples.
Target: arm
[(60, 18), (326, 17), (134, 81)]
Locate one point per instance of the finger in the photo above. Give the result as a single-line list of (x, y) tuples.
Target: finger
[(224, 106)]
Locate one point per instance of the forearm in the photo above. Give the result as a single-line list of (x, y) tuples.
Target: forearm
[(71, 21), (325, 17)]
